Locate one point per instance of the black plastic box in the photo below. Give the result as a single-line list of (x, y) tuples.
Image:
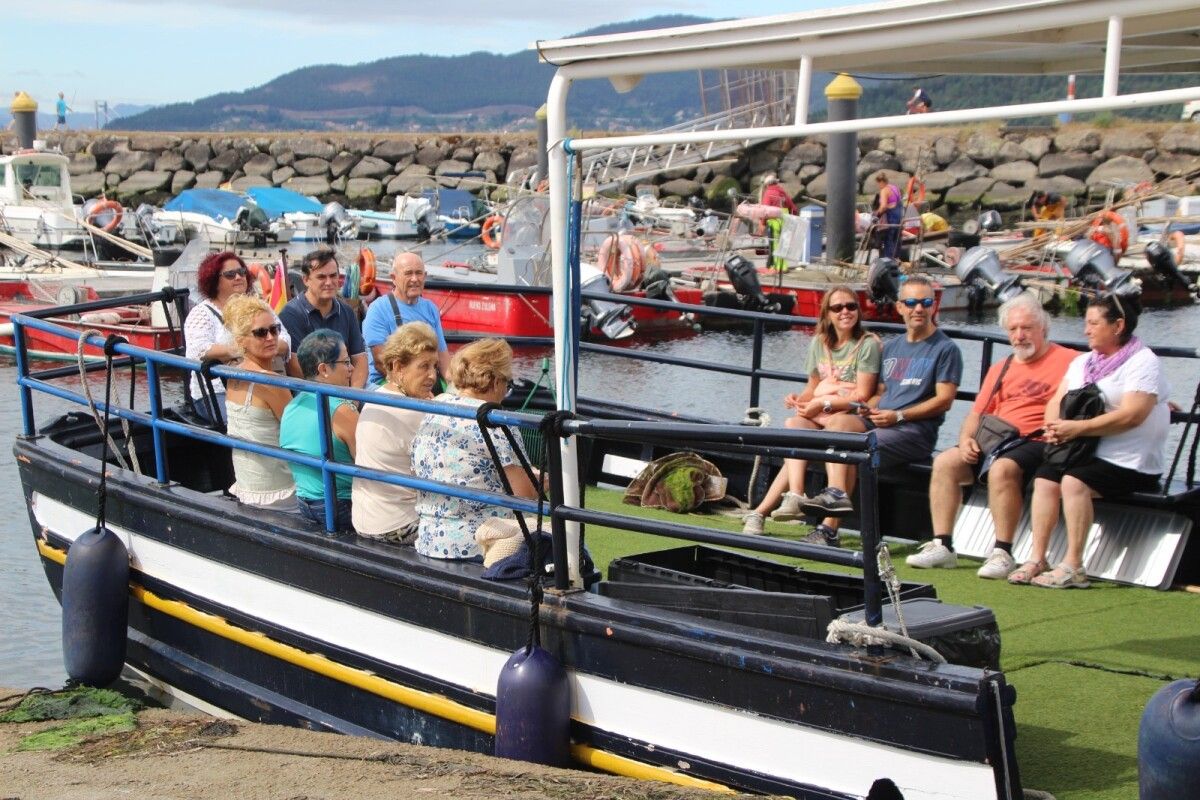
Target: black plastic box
[(731, 587), (966, 635)]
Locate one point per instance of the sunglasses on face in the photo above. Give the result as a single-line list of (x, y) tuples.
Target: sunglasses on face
[(230, 274), (838, 308), (262, 333), (913, 302)]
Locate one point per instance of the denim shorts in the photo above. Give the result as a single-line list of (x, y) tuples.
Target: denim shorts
[(314, 511)]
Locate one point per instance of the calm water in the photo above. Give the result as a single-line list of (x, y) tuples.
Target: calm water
[(29, 615)]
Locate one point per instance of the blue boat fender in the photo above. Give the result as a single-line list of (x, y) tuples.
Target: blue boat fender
[(1169, 743), (95, 607), (533, 709)]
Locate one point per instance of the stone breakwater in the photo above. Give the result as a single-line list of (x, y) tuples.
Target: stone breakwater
[(981, 166)]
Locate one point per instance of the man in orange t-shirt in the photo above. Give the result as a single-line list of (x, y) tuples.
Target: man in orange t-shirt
[(1034, 371)]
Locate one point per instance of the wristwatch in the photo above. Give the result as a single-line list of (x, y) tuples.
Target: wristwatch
[(899, 416), (828, 407)]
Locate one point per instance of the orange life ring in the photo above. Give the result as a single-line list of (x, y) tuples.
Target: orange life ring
[(259, 273), (1180, 246), (366, 271), (914, 184), (103, 207), (1101, 232), (492, 223), (620, 257)]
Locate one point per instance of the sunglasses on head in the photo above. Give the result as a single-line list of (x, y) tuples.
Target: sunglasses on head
[(230, 274), (838, 308), (262, 333), (1116, 302), (913, 302)]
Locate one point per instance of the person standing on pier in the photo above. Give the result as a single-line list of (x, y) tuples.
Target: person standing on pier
[(404, 303), (61, 108), (920, 376), (319, 307), (888, 212)]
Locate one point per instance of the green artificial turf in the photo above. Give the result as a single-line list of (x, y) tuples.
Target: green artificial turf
[(1084, 663)]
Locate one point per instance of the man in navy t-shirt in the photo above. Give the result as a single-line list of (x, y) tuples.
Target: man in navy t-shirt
[(320, 307), (918, 380)]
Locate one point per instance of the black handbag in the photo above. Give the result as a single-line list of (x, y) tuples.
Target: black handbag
[(1082, 403)]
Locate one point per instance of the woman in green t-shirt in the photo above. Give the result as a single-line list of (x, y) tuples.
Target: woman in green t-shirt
[(843, 369)]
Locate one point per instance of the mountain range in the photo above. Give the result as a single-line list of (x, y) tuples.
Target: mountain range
[(484, 91)]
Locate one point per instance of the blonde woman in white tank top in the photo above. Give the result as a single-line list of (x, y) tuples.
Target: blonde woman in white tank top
[(254, 409)]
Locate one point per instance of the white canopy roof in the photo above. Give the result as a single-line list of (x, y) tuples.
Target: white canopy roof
[(910, 36)]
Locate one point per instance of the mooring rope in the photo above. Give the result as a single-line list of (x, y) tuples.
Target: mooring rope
[(102, 424), (860, 634)]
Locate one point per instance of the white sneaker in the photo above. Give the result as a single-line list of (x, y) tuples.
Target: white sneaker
[(933, 554), (997, 566), (789, 508), (752, 523)]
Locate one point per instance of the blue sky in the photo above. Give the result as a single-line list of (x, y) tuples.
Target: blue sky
[(159, 51)]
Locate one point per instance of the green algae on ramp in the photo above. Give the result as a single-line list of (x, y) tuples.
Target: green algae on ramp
[(74, 703), (73, 733)]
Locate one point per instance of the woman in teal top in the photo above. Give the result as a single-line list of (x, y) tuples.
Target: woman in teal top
[(323, 358)]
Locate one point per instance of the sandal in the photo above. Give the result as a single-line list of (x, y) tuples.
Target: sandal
[(1024, 574), (1063, 577)]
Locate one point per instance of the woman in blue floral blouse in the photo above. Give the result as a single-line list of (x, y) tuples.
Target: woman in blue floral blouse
[(452, 450)]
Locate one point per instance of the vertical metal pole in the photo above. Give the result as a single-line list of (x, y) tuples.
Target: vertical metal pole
[(160, 445), (1112, 56), (803, 87), (22, 373), (868, 504), (563, 576), (325, 431), (840, 165), (574, 245), (565, 343), (756, 362)]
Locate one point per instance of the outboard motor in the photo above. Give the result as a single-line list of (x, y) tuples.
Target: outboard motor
[(745, 282), (883, 280), (1092, 265), (337, 222), (657, 285), (981, 270), (1163, 262), (989, 221), (613, 320)]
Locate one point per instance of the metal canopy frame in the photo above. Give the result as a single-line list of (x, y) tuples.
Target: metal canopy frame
[(1021, 37)]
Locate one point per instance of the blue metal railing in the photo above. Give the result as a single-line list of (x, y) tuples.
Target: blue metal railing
[(851, 448)]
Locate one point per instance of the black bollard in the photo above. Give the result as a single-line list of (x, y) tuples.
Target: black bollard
[(95, 608), (1169, 743), (841, 162), (533, 709)]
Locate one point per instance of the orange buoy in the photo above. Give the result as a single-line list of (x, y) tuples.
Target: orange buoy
[(915, 189), (106, 207), (366, 271), (1103, 232), (259, 274), (492, 231), (620, 257)]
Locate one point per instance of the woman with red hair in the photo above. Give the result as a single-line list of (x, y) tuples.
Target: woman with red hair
[(221, 276)]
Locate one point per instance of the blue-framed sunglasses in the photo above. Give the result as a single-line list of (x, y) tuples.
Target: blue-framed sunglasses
[(913, 302)]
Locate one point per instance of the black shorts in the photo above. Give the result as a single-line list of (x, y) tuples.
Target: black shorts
[(1028, 456), (62, 120), (1105, 478)]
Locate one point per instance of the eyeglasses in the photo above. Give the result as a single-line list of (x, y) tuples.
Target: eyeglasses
[(913, 302), (230, 274), (262, 333), (838, 308), (345, 362)]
